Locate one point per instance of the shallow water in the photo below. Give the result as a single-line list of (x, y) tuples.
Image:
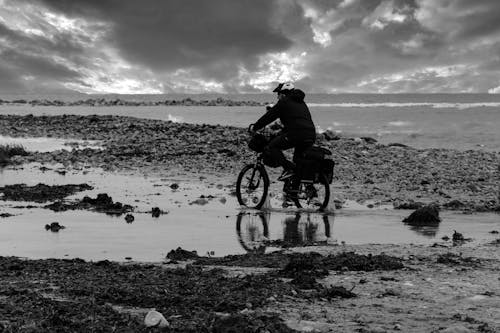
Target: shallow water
[(217, 225), (419, 125)]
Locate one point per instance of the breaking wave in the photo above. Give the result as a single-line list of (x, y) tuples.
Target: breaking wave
[(460, 106), (175, 119)]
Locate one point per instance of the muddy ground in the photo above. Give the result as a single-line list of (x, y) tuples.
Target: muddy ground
[(365, 170)]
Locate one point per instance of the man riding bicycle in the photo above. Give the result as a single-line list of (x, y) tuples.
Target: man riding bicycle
[(298, 132)]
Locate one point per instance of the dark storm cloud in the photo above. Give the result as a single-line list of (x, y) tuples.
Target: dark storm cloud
[(461, 19), (166, 35), (25, 56), (37, 66)]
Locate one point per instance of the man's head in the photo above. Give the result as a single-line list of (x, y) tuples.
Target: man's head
[(283, 89)]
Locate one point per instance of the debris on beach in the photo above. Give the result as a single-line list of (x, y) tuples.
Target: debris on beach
[(182, 255), (129, 218), (54, 227), (40, 193), (305, 281), (103, 203), (9, 151), (459, 239), (293, 264), (190, 298), (453, 259), (4, 215)]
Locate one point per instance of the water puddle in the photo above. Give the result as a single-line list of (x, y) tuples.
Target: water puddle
[(202, 214), (44, 144)]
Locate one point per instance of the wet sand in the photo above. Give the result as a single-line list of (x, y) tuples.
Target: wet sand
[(442, 286)]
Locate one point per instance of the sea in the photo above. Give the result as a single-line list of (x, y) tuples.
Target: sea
[(450, 121)]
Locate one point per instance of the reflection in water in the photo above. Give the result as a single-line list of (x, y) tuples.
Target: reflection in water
[(252, 230), (298, 230), (429, 229)]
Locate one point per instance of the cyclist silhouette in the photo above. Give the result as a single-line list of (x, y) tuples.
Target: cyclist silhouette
[(298, 131)]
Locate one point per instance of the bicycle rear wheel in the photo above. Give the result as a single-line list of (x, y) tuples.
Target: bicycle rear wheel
[(313, 196), (252, 186)]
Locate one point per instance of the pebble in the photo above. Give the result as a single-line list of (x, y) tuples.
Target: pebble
[(456, 329), (155, 319)]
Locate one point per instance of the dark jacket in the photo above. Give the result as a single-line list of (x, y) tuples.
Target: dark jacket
[(294, 115)]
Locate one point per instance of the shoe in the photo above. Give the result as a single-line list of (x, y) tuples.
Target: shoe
[(286, 175)]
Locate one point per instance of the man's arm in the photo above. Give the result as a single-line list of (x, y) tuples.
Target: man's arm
[(271, 115)]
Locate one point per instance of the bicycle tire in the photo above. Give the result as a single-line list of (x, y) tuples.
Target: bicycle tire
[(258, 201), (323, 182)]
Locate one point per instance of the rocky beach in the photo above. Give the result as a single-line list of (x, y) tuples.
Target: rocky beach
[(444, 287), (365, 170)]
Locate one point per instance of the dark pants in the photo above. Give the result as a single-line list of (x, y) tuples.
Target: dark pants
[(282, 142)]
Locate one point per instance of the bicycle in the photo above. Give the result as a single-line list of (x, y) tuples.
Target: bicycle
[(308, 189)]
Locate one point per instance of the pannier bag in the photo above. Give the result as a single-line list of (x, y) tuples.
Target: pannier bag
[(308, 169), (316, 153), (316, 160), (257, 143)]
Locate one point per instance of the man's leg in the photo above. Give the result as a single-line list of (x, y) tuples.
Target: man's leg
[(275, 150)]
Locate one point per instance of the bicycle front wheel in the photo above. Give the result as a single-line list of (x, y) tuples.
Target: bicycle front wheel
[(252, 186), (315, 196)]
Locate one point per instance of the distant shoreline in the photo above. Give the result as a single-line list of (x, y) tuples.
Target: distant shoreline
[(120, 102)]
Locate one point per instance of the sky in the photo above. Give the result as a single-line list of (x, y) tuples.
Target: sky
[(247, 46)]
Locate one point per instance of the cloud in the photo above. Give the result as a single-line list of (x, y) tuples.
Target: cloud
[(167, 35), (155, 46), (460, 19)]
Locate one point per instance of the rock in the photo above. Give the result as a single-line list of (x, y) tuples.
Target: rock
[(338, 292), (181, 254), (199, 201), (427, 215), (329, 135), (457, 237), (156, 212), (41, 192), (155, 319), (54, 227), (174, 186), (395, 144), (129, 218), (369, 140)]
